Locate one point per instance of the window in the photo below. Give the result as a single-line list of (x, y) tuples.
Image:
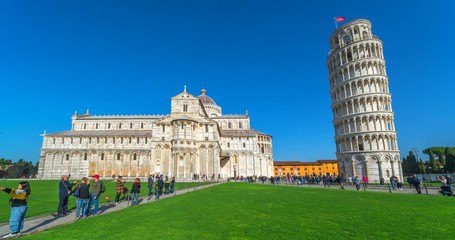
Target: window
[(206, 138), (135, 156), (96, 126), (89, 140), (53, 140), (131, 125), (109, 126), (85, 125), (229, 145), (244, 144), (63, 140), (142, 125), (137, 140), (229, 125), (80, 140), (113, 140), (240, 125), (121, 140), (206, 128), (102, 156), (71, 140), (85, 156), (118, 156), (97, 140), (67, 157), (185, 107), (120, 126), (129, 140), (361, 147), (164, 128), (145, 140)]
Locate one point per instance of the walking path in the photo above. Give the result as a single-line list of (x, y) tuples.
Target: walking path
[(38, 224)]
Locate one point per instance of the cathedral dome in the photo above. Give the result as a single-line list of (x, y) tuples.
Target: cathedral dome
[(210, 106), (205, 99)]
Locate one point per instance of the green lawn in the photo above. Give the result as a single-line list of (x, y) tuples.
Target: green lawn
[(247, 211), (44, 197)]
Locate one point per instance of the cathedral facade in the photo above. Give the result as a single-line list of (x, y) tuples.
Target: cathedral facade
[(195, 139)]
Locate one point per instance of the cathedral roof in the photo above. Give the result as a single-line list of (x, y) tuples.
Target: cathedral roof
[(205, 99), (104, 133)]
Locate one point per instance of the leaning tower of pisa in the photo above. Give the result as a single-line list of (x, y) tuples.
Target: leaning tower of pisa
[(365, 136)]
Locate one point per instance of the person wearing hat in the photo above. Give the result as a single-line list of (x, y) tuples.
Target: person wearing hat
[(95, 194)]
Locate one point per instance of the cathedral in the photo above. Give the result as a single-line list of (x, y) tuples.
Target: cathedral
[(195, 139)]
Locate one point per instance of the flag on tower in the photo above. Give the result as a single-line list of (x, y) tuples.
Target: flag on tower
[(340, 19)]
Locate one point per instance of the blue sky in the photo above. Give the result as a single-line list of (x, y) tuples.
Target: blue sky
[(267, 57)]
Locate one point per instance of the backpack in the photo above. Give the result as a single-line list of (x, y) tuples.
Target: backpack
[(449, 180), (103, 187)]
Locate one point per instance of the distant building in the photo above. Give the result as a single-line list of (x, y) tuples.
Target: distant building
[(365, 136), (295, 168), (195, 139)]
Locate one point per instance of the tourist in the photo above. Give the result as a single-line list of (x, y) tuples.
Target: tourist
[(18, 203), (399, 184), (82, 198), (64, 191), (356, 182), (159, 187), (167, 184), (150, 184), (349, 180), (415, 181), (365, 182), (98, 187), (392, 182), (172, 185), (135, 190), (119, 189)]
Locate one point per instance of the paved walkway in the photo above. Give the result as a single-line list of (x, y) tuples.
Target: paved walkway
[(37, 224)]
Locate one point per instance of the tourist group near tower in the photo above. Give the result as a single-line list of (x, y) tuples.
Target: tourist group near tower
[(196, 139)]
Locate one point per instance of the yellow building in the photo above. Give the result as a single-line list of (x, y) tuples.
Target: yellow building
[(295, 168)]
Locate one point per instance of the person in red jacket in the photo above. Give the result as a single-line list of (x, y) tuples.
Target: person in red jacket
[(365, 182)]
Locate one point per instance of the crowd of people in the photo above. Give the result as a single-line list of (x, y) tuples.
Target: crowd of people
[(87, 194)]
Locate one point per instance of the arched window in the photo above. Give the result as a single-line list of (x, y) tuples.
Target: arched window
[(118, 156), (142, 125), (120, 126), (109, 126), (102, 156), (135, 156), (185, 107), (131, 125), (206, 128), (240, 125), (85, 156), (346, 39), (129, 140), (67, 157), (229, 125)]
